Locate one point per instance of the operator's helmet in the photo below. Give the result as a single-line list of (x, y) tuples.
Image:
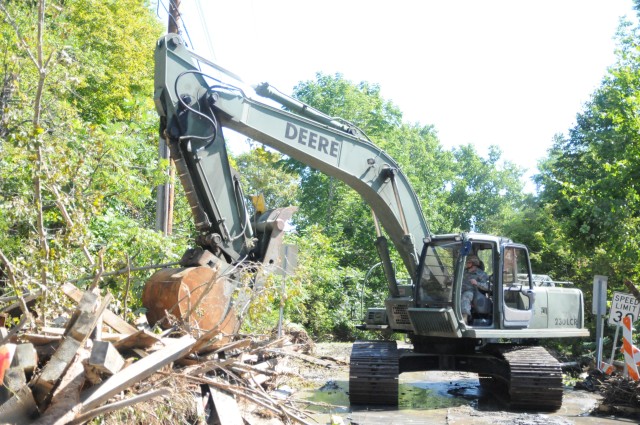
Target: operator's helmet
[(473, 259)]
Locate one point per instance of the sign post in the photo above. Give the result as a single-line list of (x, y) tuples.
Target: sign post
[(599, 309)]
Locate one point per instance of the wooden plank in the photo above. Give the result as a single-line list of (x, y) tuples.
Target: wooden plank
[(139, 339), (79, 328), (14, 379), (105, 359), (37, 339), (83, 326), (65, 402), (25, 357), (87, 304), (20, 408), (54, 370), (106, 336), (136, 372), (111, 319), (225, 407)]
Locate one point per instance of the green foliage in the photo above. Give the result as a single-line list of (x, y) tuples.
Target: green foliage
[(78, 143), (262, 175), (590, 179), (550, 252), (328, 301), (111, 42), (483, 191)]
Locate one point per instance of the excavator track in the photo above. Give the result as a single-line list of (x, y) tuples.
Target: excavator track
[(373, 373), (535, 378)]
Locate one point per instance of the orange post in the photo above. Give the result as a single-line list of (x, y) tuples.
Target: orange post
[(628, 349)]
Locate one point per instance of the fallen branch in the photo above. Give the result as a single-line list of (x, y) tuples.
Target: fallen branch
[(85, 417), (244, 394), (127, 270)]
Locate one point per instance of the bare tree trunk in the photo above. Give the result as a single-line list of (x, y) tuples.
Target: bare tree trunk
[(39, 171)]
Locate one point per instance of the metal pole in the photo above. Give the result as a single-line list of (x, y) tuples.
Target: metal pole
[(599, 326), (615, 341), (282, 295)]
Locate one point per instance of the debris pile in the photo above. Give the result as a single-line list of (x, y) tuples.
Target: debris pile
[(97, 364), (620, 395)]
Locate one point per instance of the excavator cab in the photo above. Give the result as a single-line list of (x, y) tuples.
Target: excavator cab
[(518, 296), (505, 300)]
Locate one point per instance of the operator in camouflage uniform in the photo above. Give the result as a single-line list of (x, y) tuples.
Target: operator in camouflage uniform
[(473, 277)]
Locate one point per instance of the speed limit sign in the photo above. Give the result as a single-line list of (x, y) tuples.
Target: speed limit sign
[(623, 305)]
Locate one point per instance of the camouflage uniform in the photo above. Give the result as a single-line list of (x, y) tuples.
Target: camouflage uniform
[(468, 289)]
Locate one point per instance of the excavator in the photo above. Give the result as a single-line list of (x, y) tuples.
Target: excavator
[(197, 101)]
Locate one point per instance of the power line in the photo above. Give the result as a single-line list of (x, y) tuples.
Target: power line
[(206, 34)]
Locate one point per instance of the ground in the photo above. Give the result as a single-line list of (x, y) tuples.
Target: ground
[(428, 398)]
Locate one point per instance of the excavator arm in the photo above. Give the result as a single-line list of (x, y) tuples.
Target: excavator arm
[(195, 107)]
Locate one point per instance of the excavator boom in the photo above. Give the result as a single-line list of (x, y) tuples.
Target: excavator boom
[(188, 99)]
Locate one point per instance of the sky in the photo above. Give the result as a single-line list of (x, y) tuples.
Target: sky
[(510, 73)]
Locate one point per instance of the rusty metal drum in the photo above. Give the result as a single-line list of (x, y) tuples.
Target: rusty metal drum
[(195, 291)]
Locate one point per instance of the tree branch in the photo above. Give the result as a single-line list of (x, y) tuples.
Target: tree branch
[(23, 43), (14, 284)]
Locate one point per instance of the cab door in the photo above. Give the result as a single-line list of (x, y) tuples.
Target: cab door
[(517, 287)]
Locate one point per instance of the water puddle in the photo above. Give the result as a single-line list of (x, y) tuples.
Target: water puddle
[(442, 397), (415, 392)]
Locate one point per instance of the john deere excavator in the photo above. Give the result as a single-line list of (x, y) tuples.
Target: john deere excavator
[(197, 101)]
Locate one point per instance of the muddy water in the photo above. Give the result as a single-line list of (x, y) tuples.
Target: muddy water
[(446, 398)]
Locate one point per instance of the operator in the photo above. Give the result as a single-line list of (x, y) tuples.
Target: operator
[(473, 278)]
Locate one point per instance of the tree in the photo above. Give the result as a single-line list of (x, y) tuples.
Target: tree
[(590, 178), (262, 174), (483, 191), (78, 155)]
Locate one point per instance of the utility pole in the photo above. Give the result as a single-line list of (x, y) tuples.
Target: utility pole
[(165, 196), (174, 24)]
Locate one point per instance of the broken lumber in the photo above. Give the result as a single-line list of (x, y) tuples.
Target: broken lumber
[(78, 330), (106, 336), (65, 400), (138, 339), (20, 408), (53, 371), (105, 359), (25, 358), (224, 406), (37, 339), (110, 319), (136, 372)]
